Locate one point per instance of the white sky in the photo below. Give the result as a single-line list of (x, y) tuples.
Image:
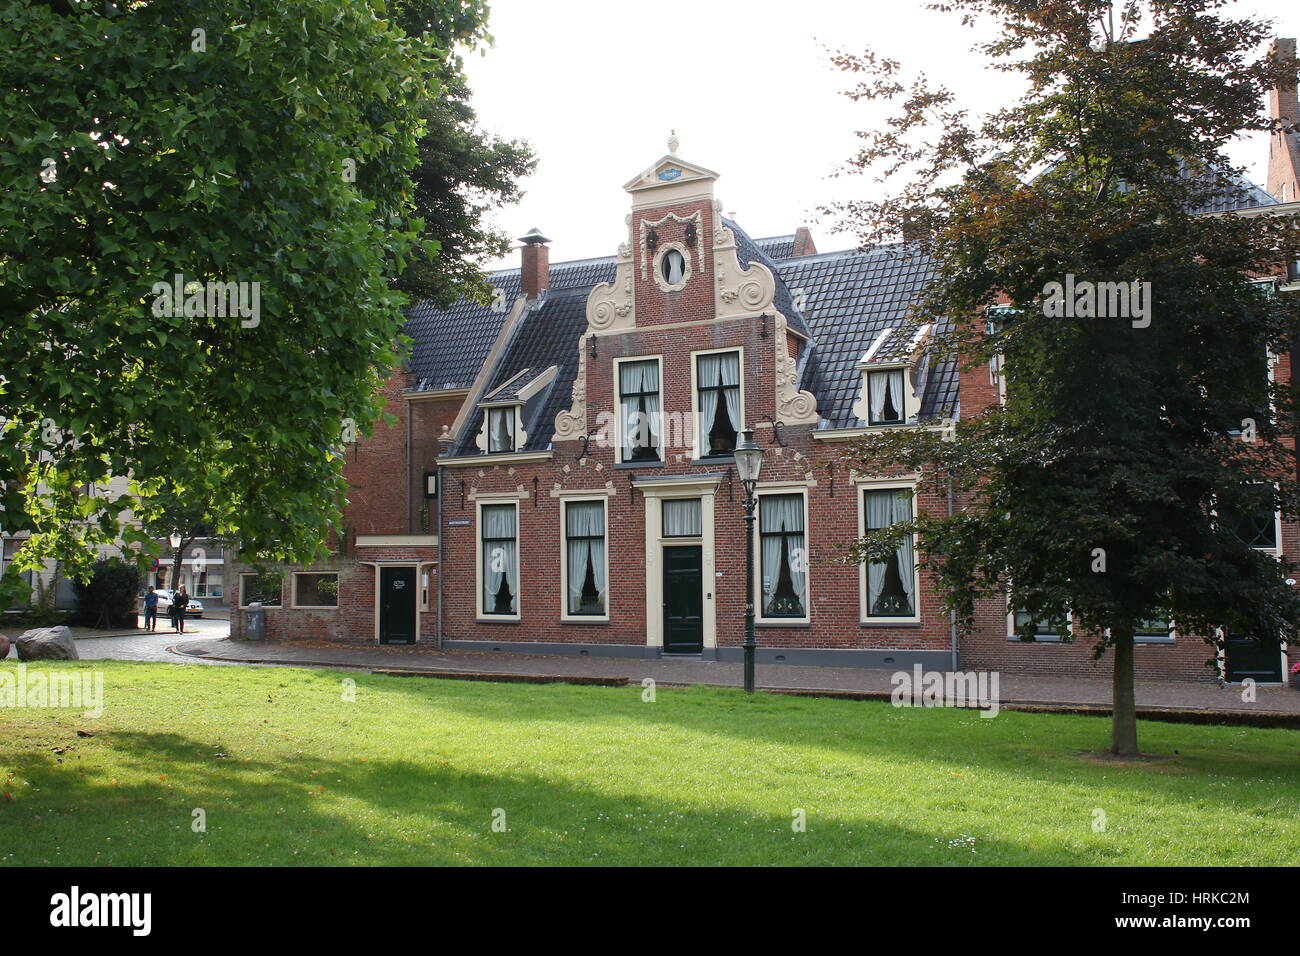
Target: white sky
[(596, 86)]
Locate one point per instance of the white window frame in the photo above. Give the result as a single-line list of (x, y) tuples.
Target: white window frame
[(1066, 638), (1171, 637), (514, 428), (620, 429), (253, 574), (697, 427), (771, 490), (565, 614), (864, 601), (688, 266), (293, 591), (480, 615), (903, 402)]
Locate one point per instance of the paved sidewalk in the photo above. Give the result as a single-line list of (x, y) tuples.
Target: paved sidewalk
[(1274, 706)]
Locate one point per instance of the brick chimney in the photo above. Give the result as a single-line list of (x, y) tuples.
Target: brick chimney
[(535, 276), (803, 243), (1284, 147)]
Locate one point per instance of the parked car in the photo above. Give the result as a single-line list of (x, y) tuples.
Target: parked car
[(193, 609)]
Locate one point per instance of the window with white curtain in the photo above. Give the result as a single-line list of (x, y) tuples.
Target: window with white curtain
[(718, 384), (638, 391), (891, 584), (500, 556), (501, 429), (681, 518), (784, 559), (585, 570), (885, 394)]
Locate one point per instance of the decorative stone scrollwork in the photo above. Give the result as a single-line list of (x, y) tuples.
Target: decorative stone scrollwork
[(610, 306), (571, 424), (793, 407), (647, 227)]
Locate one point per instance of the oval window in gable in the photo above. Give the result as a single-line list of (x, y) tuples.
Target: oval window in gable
[(673, 267)]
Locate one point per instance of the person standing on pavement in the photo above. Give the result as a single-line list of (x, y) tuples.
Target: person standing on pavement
[(180, 601), (151, 610)]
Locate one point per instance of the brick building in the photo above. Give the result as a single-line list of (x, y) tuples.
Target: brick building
[(560, 478)]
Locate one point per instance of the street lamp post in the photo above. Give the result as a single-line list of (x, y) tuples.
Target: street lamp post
[(174, 539), (749, 461)]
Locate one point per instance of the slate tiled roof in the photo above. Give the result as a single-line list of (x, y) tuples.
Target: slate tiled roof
[(1236, 193), (777, 247), (747, 250), (849, 298), (548, 335), (450, 346)]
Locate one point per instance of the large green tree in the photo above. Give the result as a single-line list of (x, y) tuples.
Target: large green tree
[(1117, 482), (229, 141), (463, 173)]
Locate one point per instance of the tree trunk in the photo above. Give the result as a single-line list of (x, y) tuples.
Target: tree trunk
[(1123, 721), (177, 561)]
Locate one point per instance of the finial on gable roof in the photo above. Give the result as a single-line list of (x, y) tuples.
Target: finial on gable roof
[(673, 143)]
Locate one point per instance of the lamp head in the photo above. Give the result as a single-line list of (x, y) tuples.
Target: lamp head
[(749, 460)]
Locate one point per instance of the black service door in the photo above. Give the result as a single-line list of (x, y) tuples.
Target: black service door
[(683, 600), (1246, 658), (397, 595)]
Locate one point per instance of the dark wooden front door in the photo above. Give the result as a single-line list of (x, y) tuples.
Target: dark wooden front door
[(683, 600), (1246, 658), (397, 596)]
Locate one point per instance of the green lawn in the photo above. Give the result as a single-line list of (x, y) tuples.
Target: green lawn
[(413, 770)]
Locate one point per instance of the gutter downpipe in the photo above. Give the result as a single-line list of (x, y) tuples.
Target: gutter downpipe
[(952, 614), (438, 633)]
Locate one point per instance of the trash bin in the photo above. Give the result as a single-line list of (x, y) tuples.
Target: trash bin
[(254, 622)]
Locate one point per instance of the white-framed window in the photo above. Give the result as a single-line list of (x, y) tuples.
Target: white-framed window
[(640, 436), (891, 588), (317, 589), (585, 558), (498, 559), (265, 588), (672, 267), (1021, 626), (1261, 531), (783, 556), (1154, 631), (719, 402), (682, 518), (500, 429), (886, 401)]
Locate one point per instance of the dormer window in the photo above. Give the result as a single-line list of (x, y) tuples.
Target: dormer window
[(894, 373), (501, 429), (886, 399)]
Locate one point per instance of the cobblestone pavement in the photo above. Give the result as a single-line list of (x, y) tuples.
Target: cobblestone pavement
[(138, 645), (1172, 695)]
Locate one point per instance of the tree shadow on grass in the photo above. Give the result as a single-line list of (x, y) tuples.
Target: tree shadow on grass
[(1035, 747), (335, 811)]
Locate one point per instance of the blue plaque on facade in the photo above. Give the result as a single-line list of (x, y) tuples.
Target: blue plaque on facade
[(670, 174)]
